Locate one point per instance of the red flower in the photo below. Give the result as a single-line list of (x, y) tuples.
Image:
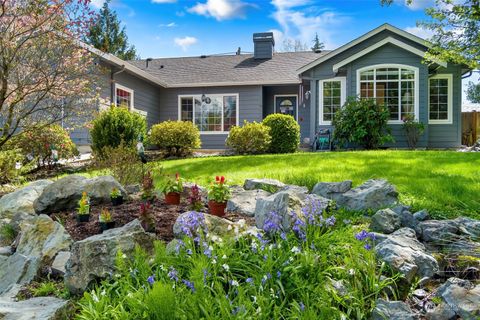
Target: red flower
[(177, 176), (222, 179), (217, 178)]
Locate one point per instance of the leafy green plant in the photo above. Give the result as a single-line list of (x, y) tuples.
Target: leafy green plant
[(413, 130), (115, 193), (8, 165), (285, 133), (251, 138), (50, 288), (105, 216), (115, 125), (176, 138), (84, 205), (8, 233), (160, 302), (170, 184), (218, 190), (362, 122)]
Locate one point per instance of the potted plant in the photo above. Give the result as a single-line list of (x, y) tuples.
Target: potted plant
[(218, 194), (83, 210), (106, 221), (171, 188), (116, 197), (146, 217)]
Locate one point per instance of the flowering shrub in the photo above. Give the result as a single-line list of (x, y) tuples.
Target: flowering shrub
[(218, 190), (253, 275)]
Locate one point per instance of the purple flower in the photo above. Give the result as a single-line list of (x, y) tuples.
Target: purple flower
[(249, 280), (273, 223), (207, 252), (279, 274), (367, 246), (366, 237), (330, 221), (362, 235), (151, 280), (302, 306), (205, 275), (239, 309), (173, 274), (192, 224), (189, 285), (283, 236)]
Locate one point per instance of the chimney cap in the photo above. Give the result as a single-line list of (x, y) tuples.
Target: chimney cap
[(263, 36)]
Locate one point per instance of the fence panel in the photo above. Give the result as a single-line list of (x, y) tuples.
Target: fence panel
[(470, 127)]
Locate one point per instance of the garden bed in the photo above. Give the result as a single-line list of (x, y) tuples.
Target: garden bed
[(164, 215)]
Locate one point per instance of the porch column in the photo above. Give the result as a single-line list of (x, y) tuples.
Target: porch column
[(313, 108)]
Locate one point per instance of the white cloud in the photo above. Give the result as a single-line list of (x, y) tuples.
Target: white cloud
[(97, 3), (420, 4), (298, 21), (164, 1), (168, 25), (420, 32), (221, 9), (185, 42)]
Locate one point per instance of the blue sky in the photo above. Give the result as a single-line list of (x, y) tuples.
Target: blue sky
[(168, 28)]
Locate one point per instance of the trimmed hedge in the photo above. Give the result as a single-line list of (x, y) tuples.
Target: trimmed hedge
[(177, 138), (285, 133), (251, 138)]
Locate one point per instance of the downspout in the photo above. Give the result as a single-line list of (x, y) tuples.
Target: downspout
[(112, 82)]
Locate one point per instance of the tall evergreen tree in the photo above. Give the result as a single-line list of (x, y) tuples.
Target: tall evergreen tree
[(107, 35), (317, 45)]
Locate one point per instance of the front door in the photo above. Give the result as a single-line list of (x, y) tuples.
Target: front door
[(286, 104)]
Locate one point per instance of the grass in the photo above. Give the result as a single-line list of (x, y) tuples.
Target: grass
[(447, 183)]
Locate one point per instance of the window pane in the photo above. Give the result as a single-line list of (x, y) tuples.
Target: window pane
[(408, 74), (387, 74), (408, 98), (187, 109), (387, 94), (366, 90), (331, 99), (366, 75), (229, 112), (123, 98), (438, 99)]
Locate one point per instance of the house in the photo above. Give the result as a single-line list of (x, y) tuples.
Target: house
[(217, 92)]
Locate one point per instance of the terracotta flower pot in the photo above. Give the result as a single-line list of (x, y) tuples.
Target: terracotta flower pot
[(83, 218), (116, 201), (172, 198), (217, 208), (107, 225)]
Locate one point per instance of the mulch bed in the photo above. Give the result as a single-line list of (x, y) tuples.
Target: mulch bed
[(165, 217)]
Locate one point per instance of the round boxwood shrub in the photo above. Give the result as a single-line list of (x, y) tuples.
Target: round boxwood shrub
[(251, 138), (176, 138), (115, 125), (285, 133), (362, 122)]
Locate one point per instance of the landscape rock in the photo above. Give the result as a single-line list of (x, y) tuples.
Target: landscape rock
[(385, 221), (17, 269), (94, 258), (6, 251), (244, 201), (406, 255), (41, 308), (421, 215), (269, 185), (441, 312), (438, 232), (462, 297), (392, 310), (294, 190), (21, 200), (406, 217), (65, 193), (215, 226), (60, 262), (371, 195), (133, 188), (332, 190), (43, 238), (18, 218)]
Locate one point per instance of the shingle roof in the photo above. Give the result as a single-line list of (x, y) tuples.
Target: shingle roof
[(228, 69)]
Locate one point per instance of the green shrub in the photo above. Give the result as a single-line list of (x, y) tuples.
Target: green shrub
[(413, 130), (362, 122), (251, 138), (115, 125), (160, 302), (285, 133), (8, 233), (41, 142), (8, 161), (176, 138)]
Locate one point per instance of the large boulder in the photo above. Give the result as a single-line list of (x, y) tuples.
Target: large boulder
[(94, 258), (286, 205), (17, 269), (392, 310), (65, 193), (43, 238), (459, 298), (244, 201), (41, 308), (385, 221), (332, 190), (21, 200), (371, 195), (270, 185), (406, 255)]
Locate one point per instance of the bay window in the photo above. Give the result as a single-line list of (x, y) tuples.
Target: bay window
[(210, 113), (395, 86), (440, 99)]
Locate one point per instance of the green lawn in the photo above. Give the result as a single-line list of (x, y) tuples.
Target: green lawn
[(445, 182)]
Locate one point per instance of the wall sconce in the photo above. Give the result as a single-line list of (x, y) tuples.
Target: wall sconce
[(307, 94)]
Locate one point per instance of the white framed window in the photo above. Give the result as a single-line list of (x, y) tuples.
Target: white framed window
[(286, 104), (331, 97), (123, 96), (394, 85), (212, 113), (440, 99)]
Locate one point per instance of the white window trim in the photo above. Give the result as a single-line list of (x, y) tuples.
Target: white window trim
[(401, 66), (283, 96), (343, 97), (119, 86), (449, 78), (180, 96)]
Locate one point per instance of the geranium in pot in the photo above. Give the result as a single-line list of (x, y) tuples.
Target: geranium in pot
[(83, 210), (171, 188), (106, 220), (218, 194), (116, 197)]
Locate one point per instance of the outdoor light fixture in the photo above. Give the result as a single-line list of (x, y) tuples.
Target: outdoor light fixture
[(307, 95)]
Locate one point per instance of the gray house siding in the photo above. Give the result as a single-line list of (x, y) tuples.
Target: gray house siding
[(250, 107)]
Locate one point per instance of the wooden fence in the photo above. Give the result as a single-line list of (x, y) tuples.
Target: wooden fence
[(470, 127)]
